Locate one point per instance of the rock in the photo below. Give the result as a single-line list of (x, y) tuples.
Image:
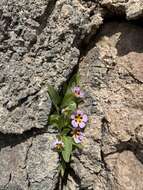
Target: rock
[(127, 170), (41, 42), (115, 6), (12, 167), (29, 164), (111, 75), (39, 47), (133, 9)]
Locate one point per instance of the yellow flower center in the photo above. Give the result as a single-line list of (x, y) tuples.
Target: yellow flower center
[(78, 118), (59, 146), (76, 133)]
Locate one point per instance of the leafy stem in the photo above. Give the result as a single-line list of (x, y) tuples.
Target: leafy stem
[(68, 120)]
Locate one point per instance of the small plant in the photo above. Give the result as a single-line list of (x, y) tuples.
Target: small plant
[(68, 120)]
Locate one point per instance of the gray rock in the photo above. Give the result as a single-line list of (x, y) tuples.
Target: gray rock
[(38, 47), (41, 42), (30, 164)]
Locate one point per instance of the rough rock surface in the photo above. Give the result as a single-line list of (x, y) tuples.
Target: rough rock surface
[(41, 41), (30, 164), (111, 73), (133, 9), (38, 47)]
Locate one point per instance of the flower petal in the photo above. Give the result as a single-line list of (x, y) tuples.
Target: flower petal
[(82, 125), (77, 88), (73, 116), (82, 94), (77, 140), (55, 143), (74, 124), (79, 112), (85, 118)]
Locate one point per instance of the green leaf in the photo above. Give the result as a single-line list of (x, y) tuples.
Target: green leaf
[(54, 120), (74, 80), (54, 95), (63, 122), (58, 121), (66, 131), (66, 153), (71, 107), (64, 89), (62, 168), (77, 145), (67, 98)]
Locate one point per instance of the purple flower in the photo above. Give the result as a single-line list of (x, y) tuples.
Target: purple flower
[(57, 145), (77, 92), (79, 119), (77, 136)]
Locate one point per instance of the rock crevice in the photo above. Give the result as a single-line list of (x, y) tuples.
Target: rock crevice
[(41, 43)]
